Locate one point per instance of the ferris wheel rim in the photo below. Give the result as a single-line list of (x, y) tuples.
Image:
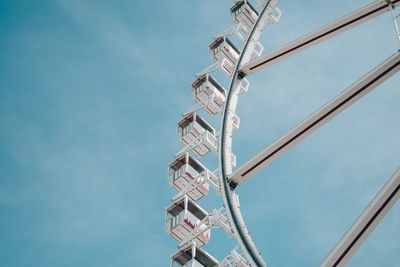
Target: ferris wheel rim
[(233, 210)]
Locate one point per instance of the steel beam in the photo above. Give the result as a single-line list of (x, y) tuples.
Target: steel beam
[(324, 33), (353, 93), (365, 224)]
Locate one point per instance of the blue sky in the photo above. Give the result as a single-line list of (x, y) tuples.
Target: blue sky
[(90, 93)]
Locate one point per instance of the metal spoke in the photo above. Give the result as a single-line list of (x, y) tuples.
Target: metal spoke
[(365, 223), (326, 32)]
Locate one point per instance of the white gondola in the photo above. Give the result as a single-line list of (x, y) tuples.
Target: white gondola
[(209, 93), (243, 12), (223, 50), (183, 219), (194, 257), (196, 133), (184, 173)]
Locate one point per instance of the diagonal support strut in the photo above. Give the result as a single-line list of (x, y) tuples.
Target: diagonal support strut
[(326, 32), (365, 224)]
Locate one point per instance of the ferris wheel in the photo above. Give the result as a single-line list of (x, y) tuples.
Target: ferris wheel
[(186, 221)]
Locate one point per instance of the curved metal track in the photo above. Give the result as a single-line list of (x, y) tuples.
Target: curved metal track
[(230, 198)]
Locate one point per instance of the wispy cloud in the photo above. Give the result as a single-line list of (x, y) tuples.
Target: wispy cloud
[(105, 23)]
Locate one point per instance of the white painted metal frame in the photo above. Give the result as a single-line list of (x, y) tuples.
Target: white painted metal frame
[(232, 220)]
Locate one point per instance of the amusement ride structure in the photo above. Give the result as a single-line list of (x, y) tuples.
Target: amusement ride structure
[(188, 223)]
